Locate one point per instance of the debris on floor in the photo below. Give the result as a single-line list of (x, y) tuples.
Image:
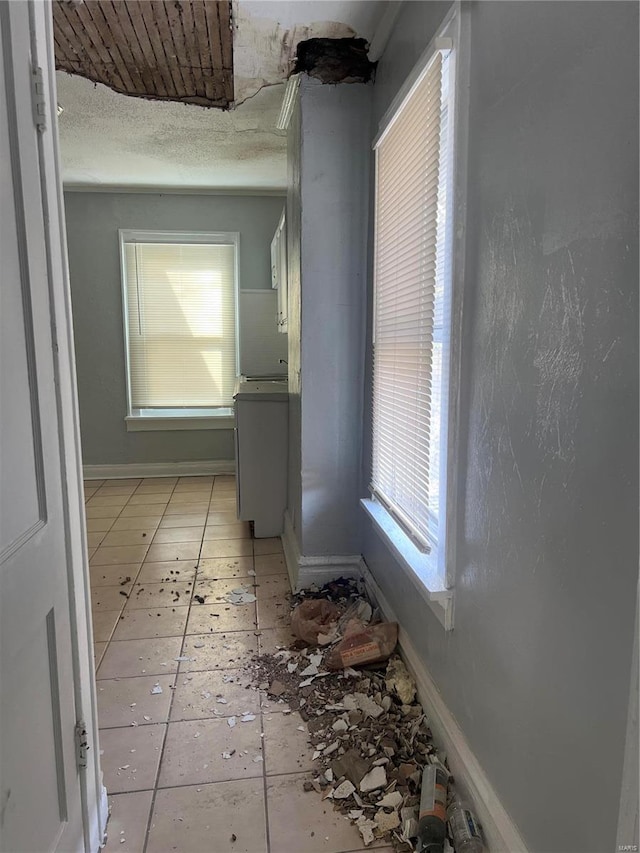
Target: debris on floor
[(240, 596), (369, 734)]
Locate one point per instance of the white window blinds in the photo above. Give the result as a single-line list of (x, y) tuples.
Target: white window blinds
[(180, 304), (411, 272)]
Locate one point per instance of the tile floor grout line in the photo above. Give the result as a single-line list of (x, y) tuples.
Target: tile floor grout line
[(264, 777), (116, 625), (248, 580), (121, 611), (173, 694)]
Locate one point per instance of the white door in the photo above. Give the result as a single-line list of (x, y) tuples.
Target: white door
[(40, 786)]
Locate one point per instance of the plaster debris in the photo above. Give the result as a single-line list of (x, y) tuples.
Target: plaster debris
[(391, 801), (376, 778), (369, 735), (231, 722), (399, 681), (344, 790), (247, 718), (386, 821), (365, 828), (362, 702), (240, 596), (156, 689)]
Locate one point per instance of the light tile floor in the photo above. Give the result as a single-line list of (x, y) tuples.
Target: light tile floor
[(153, 543)]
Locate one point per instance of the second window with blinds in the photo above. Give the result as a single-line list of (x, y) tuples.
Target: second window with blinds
[(180, 305), (414, 160)]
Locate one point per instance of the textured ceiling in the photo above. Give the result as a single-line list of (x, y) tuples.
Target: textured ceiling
[(111, 139), (161, 49)]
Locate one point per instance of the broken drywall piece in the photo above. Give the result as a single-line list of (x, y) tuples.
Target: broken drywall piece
[(390, 801), (344, 790), (240, 596), (366, 828), (374, 779), (362, 702), (399, 681), (386, 821)]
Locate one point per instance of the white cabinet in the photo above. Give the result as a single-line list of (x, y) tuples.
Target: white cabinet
[(279, 271), (261, 431)]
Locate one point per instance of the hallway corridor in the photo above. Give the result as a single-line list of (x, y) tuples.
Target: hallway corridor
[(170, 676)]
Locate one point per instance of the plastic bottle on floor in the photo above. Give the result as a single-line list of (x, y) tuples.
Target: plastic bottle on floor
[(464, 828), (432, 826)]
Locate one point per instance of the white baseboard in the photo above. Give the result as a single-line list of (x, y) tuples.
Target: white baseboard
[(159, 469), (291, 551), (98, 822), (305, 570), (500, 833)]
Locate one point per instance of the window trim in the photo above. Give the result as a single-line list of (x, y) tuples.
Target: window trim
[(174, 418), (434, 581)]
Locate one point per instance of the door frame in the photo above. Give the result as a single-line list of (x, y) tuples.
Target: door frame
[(93, 792)]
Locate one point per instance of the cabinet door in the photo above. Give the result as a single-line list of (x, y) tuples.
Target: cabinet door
[(279, 271), (283, 279)]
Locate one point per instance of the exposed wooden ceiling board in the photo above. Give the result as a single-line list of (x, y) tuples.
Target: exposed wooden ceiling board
[(160, 49), (147, 14), (213, 30)]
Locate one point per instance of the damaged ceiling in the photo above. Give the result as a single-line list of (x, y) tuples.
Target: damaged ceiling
[(181, 51), (166, 136)]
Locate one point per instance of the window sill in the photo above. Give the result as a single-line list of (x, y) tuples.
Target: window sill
[(168, 420), (420, 568)]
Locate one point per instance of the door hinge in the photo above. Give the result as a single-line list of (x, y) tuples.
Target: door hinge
[(38, 99), (82, 744)]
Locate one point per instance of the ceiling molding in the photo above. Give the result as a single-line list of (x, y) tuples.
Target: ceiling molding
[(288, 102)]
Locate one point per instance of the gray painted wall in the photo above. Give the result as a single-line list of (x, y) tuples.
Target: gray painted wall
[(334, 174), (294, 484), (93, 220), (536, 670)]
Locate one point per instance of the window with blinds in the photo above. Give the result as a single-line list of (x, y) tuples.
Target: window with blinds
[(180, 305), (412, 296)]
